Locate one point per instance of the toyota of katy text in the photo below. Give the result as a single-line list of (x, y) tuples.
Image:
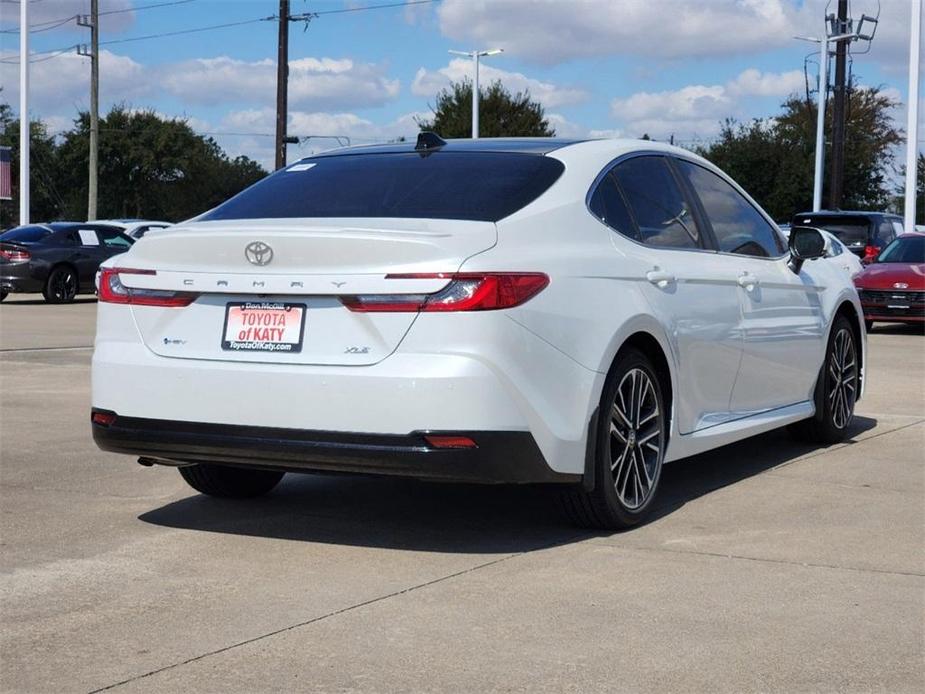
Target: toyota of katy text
[(494, 310)]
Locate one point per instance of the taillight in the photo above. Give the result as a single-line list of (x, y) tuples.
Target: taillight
[(15, 255), (112, 290), (467, 291), (870, 254)]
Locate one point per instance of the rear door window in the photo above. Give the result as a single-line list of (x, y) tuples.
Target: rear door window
[(113, 239), (654, 197), (88, 237), (738, 227)]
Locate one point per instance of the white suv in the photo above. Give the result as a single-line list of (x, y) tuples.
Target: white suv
[(523, 310)]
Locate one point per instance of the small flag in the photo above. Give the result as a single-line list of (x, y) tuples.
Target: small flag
[(6, 178)]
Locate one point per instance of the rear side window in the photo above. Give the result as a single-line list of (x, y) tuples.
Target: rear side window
[(484, 186), (662, 214), (885, 233), (739, 228), (608, 205), (26, 234)]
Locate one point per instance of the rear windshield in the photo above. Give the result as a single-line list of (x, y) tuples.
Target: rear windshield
[(484, 186), (908, 249), (850, 231), (27, 234)]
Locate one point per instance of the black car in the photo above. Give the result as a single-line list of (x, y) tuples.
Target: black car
[(864, 233), (59, 259)]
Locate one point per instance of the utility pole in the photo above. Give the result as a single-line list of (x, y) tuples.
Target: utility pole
[(94, 22), (836, 182), (282, 84), (912, 128), (23, 112)]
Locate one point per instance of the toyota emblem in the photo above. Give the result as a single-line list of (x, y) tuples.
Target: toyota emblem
[(900, 285), (258, 253)]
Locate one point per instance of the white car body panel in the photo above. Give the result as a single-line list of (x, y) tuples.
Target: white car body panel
[(741, 360)]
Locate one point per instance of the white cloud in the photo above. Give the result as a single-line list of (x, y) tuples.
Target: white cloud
[(753, 82), (313, 82), (551, 31), (62, 85), (697, 110), (428, 83)]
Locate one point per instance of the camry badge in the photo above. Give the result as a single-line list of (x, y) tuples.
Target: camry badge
[(258, 253), (900, 285)]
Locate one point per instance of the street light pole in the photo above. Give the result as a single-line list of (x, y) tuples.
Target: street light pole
[(912, 127), (476, 55), (820, 115), (23, 112)]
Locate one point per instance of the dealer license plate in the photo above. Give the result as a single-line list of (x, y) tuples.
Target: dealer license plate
[(263, 326)]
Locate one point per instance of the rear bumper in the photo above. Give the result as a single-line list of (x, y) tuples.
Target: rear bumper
[(500, 456), (20, 277)]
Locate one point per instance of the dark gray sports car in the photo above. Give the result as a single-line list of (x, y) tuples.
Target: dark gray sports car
[(59, 259)]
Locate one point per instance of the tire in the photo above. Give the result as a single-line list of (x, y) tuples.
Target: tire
[(836, 389), (629, 448), (230, 482), (3, 295), (868, 325), (61, 285)]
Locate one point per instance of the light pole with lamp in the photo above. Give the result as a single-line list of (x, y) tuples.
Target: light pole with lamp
[(820, 116), (475, 55)]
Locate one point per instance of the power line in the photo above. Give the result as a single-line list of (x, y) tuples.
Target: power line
[(185, 31), (63, 20)]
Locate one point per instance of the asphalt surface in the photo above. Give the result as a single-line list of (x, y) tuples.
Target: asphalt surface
[(769, 565)]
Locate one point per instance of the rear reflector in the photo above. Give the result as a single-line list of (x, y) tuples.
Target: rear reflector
[(112, 291), (870, 254), (104, 419), (466, 291), (450, 441)]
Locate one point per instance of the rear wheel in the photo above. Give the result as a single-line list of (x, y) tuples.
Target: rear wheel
[(629, 451), (61, 285), (230, 482), (836, 389), (3, 295)]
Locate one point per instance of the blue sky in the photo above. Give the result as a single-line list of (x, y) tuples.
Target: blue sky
[(600, 67)]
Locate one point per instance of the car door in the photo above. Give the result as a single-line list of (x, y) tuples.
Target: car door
[(89, 252), (783, 337), (642, 199)]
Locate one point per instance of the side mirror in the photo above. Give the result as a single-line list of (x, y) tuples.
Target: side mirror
[(806, 243)]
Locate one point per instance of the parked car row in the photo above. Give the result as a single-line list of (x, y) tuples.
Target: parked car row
[(60, 259)]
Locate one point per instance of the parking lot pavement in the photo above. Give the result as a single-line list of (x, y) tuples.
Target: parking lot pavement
[(769, 565)]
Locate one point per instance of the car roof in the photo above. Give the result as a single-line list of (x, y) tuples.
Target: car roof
[(523, 145), (847, 213)]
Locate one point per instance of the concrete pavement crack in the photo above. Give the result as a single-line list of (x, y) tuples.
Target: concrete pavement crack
[(742, 557), (335, 613)]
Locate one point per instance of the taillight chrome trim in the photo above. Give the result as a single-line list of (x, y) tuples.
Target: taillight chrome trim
[(112, 291)]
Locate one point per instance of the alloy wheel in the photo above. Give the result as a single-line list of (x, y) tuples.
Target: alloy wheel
[(842, 375), (636, 439), (64, 285)]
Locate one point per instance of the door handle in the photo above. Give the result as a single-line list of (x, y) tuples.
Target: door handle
[(749, 282), (660, 278)]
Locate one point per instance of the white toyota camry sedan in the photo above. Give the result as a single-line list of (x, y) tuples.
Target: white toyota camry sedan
[(494, 310)]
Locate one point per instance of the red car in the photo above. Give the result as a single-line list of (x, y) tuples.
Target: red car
[(892, 288)]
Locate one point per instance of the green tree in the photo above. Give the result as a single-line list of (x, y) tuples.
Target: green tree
[(150, 167), (501, 114), (773, 158), (45, 201)]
